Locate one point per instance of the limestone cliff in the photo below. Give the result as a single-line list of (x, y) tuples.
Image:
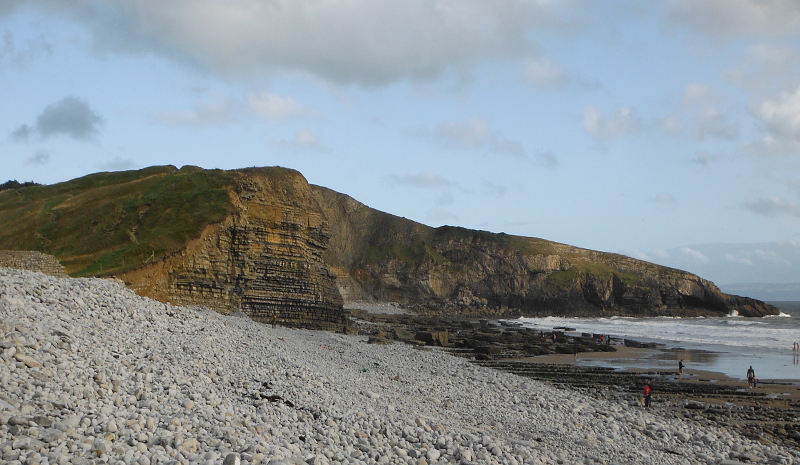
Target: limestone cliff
[(265, 259), (380, 257), (245, 240)]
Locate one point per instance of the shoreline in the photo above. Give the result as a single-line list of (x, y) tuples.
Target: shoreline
[(766, 413), (790, 388)]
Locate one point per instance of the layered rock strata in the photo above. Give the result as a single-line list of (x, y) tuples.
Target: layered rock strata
[(265, 260), (32, 261)]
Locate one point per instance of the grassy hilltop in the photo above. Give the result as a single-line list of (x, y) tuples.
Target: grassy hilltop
[(106, 223)]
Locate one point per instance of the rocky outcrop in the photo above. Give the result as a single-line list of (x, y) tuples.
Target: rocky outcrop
[(455, 270), (265, 260), (32, 261)]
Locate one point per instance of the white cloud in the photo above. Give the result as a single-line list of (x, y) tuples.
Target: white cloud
[(475, 133), (623, 122), (732, 19), (736, 259), (698, 93), (693, 254), (217, 113), (344, 41), (664, 198), (781, 118), (424, 180), (277, 108), (546, 74), (304, 140)]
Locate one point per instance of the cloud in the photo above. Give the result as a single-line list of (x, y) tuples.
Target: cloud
[(694, 254), (623, 122), (475, 133), (41, 157), (772, 206), (118, 164), (491, 188), (698, 93), (423, 180), (713, 123), (217, 113), (546, 74), (547, 159), (732, 19), (347, 42), (70, 116), (304, 140), (18, 55), (703, 158), (737, 259), (664, 198), (223, 111), (781, 118), (277, 108)]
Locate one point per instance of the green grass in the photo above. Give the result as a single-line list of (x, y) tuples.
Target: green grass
[(106, 223)]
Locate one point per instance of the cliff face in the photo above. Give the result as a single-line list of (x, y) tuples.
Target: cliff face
[(244, 240), (265, 242), (32, 261), (380, 257), (265, 259)]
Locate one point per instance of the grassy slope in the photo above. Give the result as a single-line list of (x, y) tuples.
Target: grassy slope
[(105, 223)]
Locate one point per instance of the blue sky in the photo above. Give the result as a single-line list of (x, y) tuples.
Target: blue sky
[(668, 131)]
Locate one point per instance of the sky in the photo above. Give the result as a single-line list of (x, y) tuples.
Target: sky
[(668, 130)]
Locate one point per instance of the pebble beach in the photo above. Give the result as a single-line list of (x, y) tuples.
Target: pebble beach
[(92, 373)]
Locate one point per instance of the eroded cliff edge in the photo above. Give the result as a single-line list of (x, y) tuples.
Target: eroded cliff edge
[(381, 257)]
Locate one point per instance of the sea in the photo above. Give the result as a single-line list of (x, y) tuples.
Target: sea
[(727, 345)]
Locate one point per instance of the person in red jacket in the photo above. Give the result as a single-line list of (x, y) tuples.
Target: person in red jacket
[(648, 391)]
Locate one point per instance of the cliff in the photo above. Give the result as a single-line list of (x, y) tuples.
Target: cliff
[(246, 240), (380, 257), (265, 242), (32, 261)]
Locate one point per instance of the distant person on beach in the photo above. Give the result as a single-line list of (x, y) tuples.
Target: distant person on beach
[(751, 377), (680, 370), (648, 392)]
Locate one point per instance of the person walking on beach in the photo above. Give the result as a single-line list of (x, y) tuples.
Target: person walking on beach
[(751, 377), (648, 392), (680, 370)]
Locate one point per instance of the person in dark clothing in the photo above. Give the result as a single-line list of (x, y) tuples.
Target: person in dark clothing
[(680, 370), (751, 377), (648, 392)]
